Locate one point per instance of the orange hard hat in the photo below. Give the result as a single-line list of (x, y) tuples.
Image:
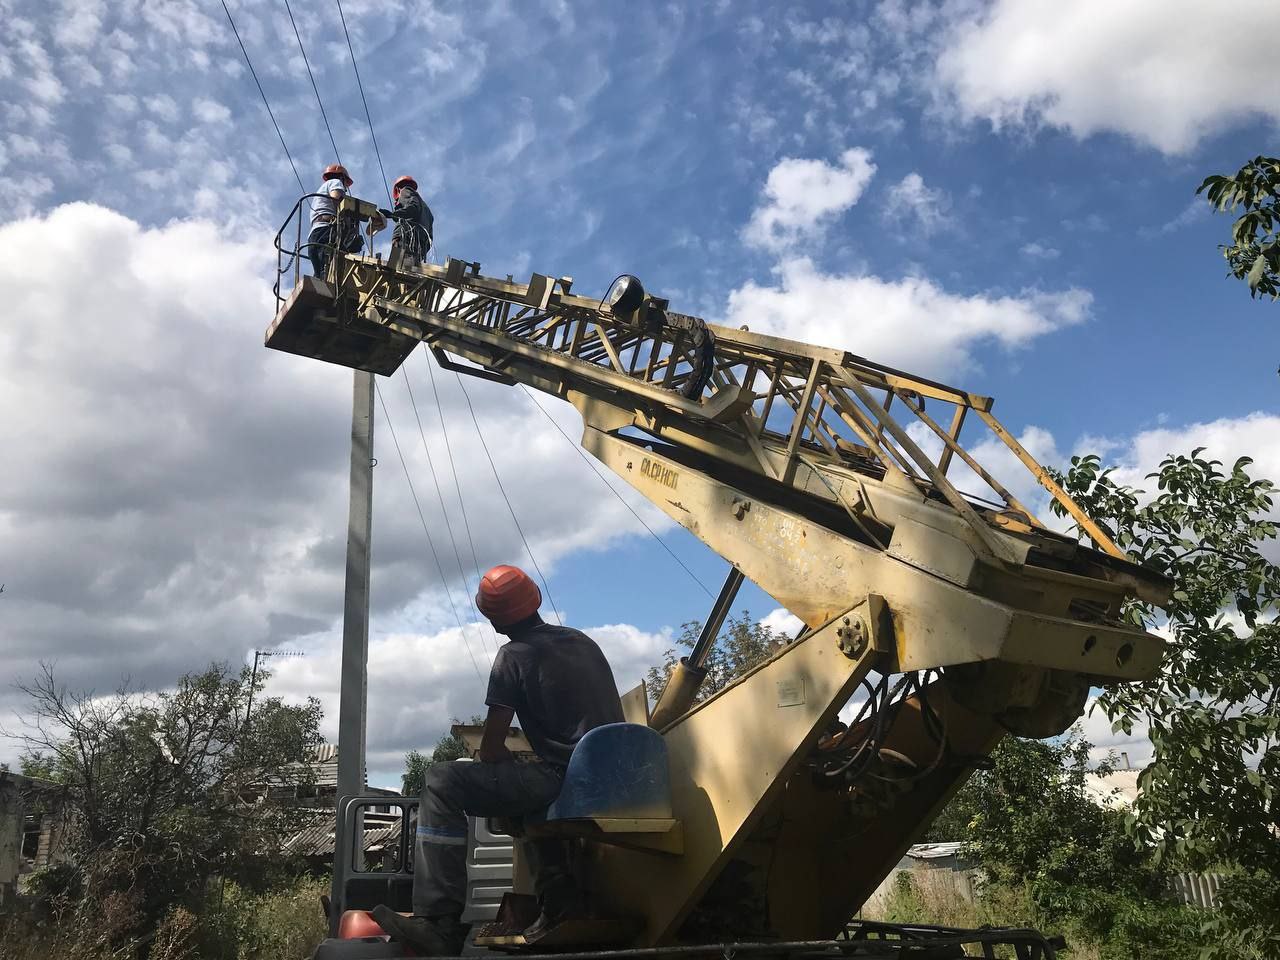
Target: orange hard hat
[(405, 180), (338, 170), (507, 595), (359, 923)]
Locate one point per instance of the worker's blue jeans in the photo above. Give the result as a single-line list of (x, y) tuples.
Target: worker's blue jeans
[(319, 246), (458, 788)]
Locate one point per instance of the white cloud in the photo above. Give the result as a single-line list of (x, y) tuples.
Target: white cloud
[(1165, 72), (210, 111), (124, 102), (911, 323), (1039, 251), (801, 197), (910, 199), (1256, 435), (1194, 211), (163, 106), (79, 23), (121, 155), (782, 622)]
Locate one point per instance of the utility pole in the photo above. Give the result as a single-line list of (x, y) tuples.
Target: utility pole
[(353, 698)]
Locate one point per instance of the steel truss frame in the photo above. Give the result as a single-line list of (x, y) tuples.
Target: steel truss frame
[(808, 417)]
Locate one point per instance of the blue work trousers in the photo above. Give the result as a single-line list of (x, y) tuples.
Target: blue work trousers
[(458, 788)]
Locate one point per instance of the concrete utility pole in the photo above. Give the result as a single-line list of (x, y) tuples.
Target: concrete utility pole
[(353, 698)]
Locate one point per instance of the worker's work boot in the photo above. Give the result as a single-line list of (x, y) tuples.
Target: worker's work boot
[(561, 902), (433, 936)]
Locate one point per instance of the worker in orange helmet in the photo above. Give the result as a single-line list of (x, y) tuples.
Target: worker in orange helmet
[(328, 231), (558, 682), (415, 224)]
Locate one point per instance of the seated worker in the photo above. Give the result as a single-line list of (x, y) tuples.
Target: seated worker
[(324, 220), (558, 682), (415, 223)]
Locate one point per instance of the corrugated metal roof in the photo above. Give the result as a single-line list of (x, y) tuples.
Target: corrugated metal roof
[(934, 851), (315, 836)]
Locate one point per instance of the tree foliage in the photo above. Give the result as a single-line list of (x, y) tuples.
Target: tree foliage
[(1213, 711), (163, 790), (742, 644), (1029, 818), (448, 747), (1254, 252)]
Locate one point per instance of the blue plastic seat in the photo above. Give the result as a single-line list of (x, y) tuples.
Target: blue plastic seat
[(618, 771)]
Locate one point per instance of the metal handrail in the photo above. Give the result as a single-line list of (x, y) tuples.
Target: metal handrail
[(295, 253)]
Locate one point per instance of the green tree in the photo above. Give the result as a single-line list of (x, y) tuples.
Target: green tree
[(164, 790), (742, 644), (1040, 838), (1254, 252), (448, 747), (1208, 797)]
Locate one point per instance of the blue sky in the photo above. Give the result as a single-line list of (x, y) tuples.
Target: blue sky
[(996, 194)]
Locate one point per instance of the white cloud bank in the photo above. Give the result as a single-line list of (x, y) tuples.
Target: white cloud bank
[(803, 196), (1165, 72), (911, 200), (911, 323)]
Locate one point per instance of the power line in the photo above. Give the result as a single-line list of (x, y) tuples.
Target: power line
[(360, 86), (439, 568), (253, 73), (336, 155), (404, 371), (605, 480), (444, 426), (502, 490)]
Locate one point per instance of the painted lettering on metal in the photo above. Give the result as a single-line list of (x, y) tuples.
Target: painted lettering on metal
[(660, 473)]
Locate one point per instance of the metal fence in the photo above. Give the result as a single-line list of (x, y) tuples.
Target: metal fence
[(1197, 889)]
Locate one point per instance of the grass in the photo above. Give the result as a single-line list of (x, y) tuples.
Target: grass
[(940, 897), (231, 924)]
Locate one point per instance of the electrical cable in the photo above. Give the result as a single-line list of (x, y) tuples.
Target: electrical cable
[(462, 503), (336, 155), (605, 480), (254, 73), (510, 509), (404, 372), (436, 556), (360, 86)]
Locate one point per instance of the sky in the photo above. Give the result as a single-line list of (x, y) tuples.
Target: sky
[(996, 194)]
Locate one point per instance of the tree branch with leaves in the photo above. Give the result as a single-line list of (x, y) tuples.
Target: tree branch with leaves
[(1209, 797), (1254, 252)]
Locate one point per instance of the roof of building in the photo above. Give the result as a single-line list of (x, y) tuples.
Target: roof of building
[(1118, 789), (315, 834), (934, 851)]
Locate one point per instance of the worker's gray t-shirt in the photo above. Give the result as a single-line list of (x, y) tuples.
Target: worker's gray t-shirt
[(558, 682)]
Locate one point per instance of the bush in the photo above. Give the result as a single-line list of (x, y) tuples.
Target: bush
[(285, 921)]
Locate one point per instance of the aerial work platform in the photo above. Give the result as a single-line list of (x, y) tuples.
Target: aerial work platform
[(308, 324)]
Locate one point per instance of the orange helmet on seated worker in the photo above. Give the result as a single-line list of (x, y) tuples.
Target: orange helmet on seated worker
[(507, 595), (404, 181), (337, 170)]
